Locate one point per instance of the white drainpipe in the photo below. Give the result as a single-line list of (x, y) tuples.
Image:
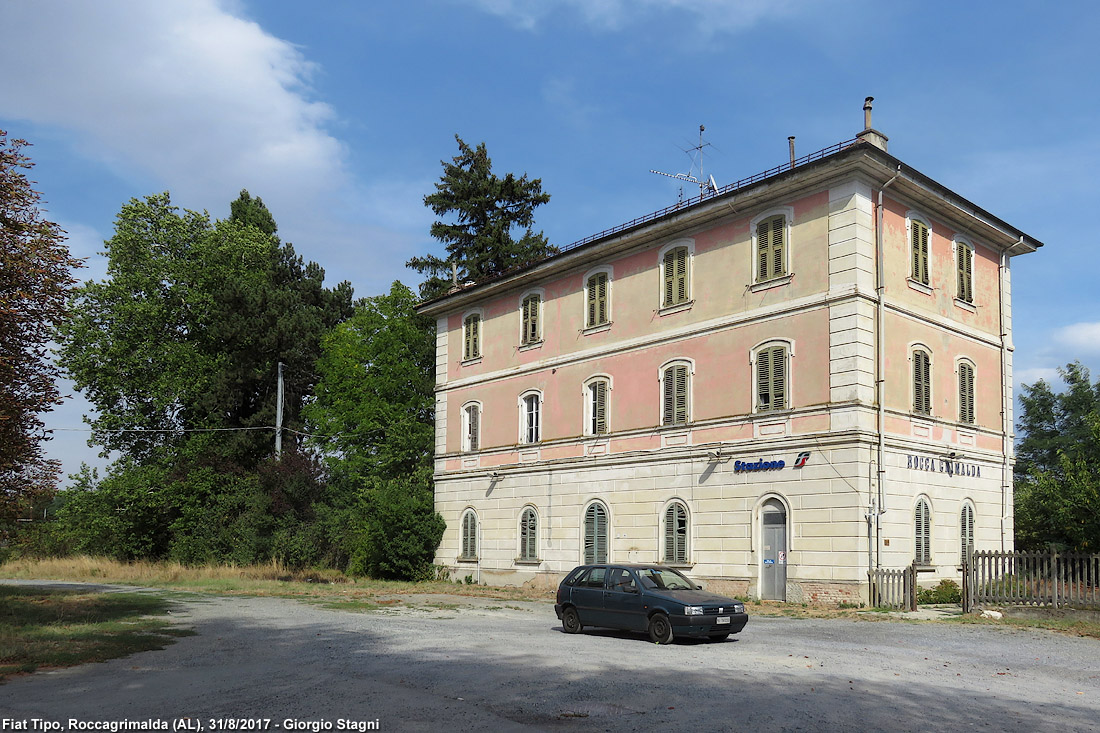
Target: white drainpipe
[(1005, 427)]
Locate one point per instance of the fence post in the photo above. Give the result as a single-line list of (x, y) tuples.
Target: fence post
[(965, 601), (913, 586), (1054, 578)]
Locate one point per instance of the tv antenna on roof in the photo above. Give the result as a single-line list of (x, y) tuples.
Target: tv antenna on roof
[(695, 172)]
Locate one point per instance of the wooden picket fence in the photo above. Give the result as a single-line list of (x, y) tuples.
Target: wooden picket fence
[(894, 588), (1042, 579)]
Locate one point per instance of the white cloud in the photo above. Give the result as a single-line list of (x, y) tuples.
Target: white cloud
[(182, 91), (1082, 338), (1031, 376), (711, 15)]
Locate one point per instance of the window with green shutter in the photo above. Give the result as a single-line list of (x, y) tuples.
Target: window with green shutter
[(676, 285), (964, 262), (771, 378), (597, 407), (472, 333), (596, 293), (919, 242), (966, 393), (473, 427), (771, 235), (595, 534), (675, 397), (529, 535), (966, 533), (676, 534), (922, 532), (469, 536), (922, 382), (529, 311)]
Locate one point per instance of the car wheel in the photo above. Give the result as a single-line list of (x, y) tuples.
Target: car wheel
[(660, 629), (718, 637), (570, 620)]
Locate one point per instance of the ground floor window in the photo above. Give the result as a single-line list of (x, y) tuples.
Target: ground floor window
[(595, 534)]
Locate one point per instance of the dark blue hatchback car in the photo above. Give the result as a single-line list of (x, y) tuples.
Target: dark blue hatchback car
[(650, 598)]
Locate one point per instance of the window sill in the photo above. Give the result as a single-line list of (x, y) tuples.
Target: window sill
[(531, 345), (518, 561), (919, 286), (470, 362), (679, 565), (775, 282), (466, 560), (965, 305), (598, 328), (675, 308)]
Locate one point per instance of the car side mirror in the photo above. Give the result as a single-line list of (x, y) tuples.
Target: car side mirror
[(698, 587)]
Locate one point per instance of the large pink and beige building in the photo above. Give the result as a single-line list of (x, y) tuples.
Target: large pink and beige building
[(777, 386)]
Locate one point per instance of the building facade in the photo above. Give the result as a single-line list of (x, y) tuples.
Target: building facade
[(776, 386)]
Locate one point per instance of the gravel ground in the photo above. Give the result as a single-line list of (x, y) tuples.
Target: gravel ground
[(504, 665)]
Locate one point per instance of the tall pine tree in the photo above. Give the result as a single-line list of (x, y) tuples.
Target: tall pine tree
[(484, 212)]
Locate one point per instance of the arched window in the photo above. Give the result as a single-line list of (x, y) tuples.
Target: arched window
[(471, 427), (966, 392), (676, 533), (471, 328), (595, 534), (966, 532), (469, 536), (675, 276), (922, 532), (529, 535), (676, 394), (922, 382), (771, 378), (597, 300), (530, 415), (596, 395), (531, 319)]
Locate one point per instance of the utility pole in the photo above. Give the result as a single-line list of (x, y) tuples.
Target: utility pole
[(279, 418)]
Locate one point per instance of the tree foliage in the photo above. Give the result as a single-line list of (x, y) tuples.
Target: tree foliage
[(484, 211), (1057, 486), (35, 281), (187, 330), (374, 415)]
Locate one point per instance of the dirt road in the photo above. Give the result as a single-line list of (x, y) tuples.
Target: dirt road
[(502, 665)]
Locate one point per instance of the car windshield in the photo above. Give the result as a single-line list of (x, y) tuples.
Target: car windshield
[(664, 579)]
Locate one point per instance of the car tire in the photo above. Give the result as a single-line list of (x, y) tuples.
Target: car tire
[(719, 637), (571, 621), (660, 629)]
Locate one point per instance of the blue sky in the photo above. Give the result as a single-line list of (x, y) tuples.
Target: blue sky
[(338, 113)]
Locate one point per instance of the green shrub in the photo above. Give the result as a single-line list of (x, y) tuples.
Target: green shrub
[(946, 592)]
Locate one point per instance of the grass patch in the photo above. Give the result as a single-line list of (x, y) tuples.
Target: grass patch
[(1070, 627), (59, 628)]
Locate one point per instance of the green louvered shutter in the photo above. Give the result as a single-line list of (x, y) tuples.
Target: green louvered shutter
[(591, 288), (668, 397), (681, 396), (966, 393), (601, 294), (680, 265), (598, 395), (770, 250), (779, 378), (595, 535), (469, 536), (670, 278), (764, 380), (472, 347), (966, 533), (964, 257), (676, 534), (922, 386), (779, 231), (922, 528), (919, 232), (473, 419)]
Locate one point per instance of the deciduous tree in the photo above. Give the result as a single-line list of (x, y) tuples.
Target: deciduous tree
[(35, 281)]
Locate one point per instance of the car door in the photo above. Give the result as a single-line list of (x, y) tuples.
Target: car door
[(622, 601), (588, 597)]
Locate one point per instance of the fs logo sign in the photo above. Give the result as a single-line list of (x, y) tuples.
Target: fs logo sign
[(801, 460)]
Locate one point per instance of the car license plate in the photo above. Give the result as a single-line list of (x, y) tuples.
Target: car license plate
[(722, 620)]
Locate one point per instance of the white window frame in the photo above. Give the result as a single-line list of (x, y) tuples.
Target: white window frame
[(586, 397), (690, 364), (473, 555), (753, 353), (520, 557), (523, 428), (664, 532), (541, 311), (754, 223), (480, 313), (910, 217), (974, 389), (921, 346), (688, 243), (586, 326), (466, 448), (966, 242)]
